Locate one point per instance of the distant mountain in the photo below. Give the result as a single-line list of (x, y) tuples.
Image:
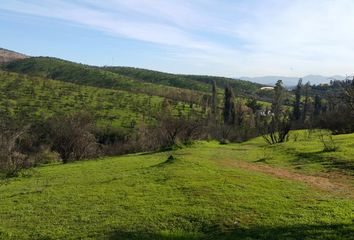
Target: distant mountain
[(9, 56), (292, 81)]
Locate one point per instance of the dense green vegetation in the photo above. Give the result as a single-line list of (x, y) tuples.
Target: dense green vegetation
[(32, 97), (207, 191)]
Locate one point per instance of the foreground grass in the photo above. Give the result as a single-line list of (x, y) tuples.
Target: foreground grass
[(194, 196)]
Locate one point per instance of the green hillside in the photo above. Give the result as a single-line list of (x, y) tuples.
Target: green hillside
[(37, 97), (62, 70), (195, 82), (173, 86), (208, 191), (160, 78)]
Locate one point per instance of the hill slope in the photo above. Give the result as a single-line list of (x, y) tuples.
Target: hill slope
[(38, 97), (7, 56), (194, 82), (189, 88), (208, 191)]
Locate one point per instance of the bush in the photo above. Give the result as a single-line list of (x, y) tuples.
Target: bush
[(339, 121), (72, 137)]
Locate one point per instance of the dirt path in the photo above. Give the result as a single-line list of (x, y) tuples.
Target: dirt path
[(333, 183)]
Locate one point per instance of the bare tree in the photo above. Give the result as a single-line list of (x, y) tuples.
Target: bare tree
[(72, 137), (11, 158), (172, 130)]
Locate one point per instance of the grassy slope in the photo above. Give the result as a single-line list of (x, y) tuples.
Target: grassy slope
[(36, 96), (131, 79), (62, 70), (196, 196), (305, 154)]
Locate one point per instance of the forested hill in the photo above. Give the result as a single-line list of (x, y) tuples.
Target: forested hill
[(195, 82), (173, 86)]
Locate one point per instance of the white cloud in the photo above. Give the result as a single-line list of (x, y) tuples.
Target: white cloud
[(246, 37)]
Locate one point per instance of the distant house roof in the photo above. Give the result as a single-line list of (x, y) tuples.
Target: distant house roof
[(267, 88)]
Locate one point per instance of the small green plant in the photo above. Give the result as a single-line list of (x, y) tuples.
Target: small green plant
[(328, 142)]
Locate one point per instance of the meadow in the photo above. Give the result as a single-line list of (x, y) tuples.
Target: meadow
[(251, 190)]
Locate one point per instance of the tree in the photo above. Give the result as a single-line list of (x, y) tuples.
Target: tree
[(72, 137), (254, 105), (349, 95), (297, 103), (317, 105), (12, 160), (306, 101), (276, 125), (229, 106), (278, 98), (214, 100), (172, 131)]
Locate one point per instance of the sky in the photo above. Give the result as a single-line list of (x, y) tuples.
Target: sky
[(214, 37)]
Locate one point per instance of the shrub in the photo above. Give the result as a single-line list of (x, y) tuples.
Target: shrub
[(72, 137)]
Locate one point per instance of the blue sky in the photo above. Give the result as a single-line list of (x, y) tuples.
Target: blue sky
[(215, 37)]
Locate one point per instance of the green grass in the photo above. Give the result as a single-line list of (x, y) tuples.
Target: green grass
[(303, 153), (194, 196)]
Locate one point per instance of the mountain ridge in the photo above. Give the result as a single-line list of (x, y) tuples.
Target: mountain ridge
[(292, 81)]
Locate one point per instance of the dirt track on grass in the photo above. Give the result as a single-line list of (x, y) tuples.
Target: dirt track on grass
[(331, 182)]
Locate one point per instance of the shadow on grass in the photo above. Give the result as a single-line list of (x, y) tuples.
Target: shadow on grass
[(330, 163), (320, 232)]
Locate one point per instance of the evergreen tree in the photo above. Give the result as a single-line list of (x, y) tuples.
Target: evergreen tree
[(317, 105), (306, 101), (278, 99), (229, 107), (297, 103), (214, 101)]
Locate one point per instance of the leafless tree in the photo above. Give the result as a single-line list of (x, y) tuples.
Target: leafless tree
[(11, 158), (72, 137)]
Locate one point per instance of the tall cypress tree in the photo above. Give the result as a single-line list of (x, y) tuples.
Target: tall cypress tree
[(278, 99), (317, 105), (214, 100), (297, 103), (229, 108), (306, 102)]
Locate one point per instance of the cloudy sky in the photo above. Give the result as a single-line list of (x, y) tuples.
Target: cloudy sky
[(216, 37)]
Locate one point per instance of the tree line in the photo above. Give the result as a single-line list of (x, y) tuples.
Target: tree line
[(72, 137)]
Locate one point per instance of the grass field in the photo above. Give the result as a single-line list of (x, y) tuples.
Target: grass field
[(207, 191)]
